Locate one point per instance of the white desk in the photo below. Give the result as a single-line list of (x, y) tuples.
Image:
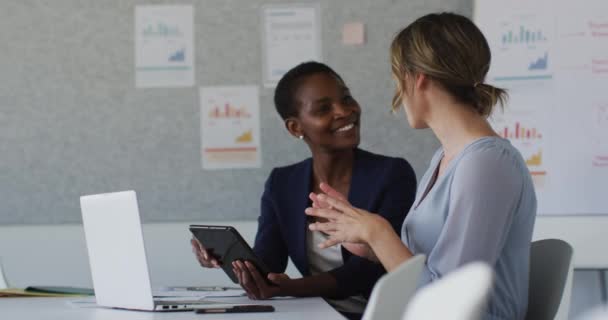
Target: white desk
[(60, 309)]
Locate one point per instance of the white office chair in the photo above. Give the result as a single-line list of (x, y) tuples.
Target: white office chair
[(393, 291), (550, 279), (3, 281), (460, 295)]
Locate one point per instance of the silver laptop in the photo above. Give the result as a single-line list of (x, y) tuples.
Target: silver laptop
[(117, 256)]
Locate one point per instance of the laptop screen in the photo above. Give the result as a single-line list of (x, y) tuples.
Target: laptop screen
[(115, 246)]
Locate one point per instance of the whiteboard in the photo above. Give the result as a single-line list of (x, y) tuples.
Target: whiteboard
[(552, 56)]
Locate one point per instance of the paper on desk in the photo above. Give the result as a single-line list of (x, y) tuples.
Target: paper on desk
[(200, 294), (226, 293), (15, 292)]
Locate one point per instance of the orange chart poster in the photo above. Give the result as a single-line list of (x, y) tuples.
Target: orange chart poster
[(230, 127)]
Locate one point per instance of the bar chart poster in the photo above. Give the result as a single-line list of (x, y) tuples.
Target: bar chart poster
[(164, 46), (552, 57), (524, 42), (527, 134), (230, 127)]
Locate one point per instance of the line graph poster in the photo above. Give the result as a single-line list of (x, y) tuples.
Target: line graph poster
[(291, 35), (230, 127), (552, 57), (164, 46)]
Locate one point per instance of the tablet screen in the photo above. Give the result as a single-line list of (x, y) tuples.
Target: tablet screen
[(227, 245)]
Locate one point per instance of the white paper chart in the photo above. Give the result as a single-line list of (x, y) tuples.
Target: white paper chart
[(291, 35), (164, 46), (230, 127)]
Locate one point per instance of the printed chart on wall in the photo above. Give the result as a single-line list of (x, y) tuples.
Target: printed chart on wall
[(164, 49), (552, 57), (291, 35), (230, 127)]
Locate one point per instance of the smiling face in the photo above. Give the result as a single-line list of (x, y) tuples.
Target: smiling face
[(328, 116)]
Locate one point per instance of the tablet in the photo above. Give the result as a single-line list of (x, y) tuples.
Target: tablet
[(227, 245)]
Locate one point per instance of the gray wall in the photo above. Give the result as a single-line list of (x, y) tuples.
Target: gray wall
[(72, 121)]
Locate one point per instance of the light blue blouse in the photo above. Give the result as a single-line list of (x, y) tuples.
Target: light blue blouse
[(482, 208)]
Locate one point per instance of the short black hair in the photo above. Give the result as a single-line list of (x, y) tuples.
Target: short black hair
[(290, 82)]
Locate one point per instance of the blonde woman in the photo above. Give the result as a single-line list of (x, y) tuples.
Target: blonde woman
[(476, 202)]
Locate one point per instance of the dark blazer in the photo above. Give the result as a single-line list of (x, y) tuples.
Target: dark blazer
[(379, 184)]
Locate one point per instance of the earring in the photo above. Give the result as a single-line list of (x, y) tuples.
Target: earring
[(301, 137)]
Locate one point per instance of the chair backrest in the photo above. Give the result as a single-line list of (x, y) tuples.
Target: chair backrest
[(393, 291), (597, 313), (460, 295), (3, 281), (550, 264)]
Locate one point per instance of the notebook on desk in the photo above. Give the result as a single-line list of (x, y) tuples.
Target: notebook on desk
[(117, 256)]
